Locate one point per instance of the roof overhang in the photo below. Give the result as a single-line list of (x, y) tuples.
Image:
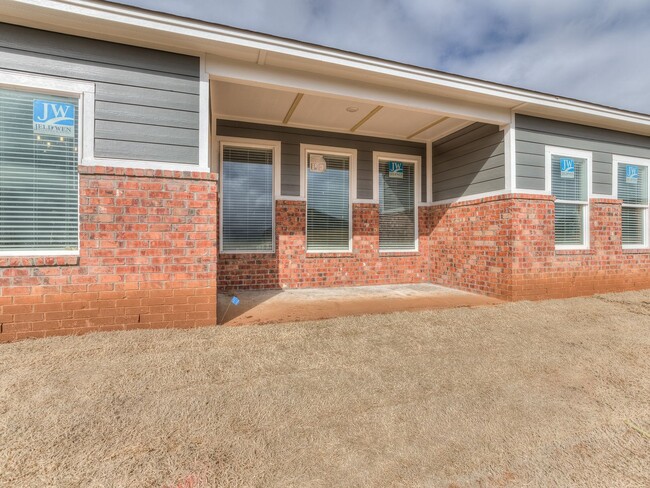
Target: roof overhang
[(257, 58)]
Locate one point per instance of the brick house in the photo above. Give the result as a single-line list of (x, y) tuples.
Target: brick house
[(148, 161)]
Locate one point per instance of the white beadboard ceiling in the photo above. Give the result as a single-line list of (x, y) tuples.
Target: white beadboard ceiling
[(271, 106)]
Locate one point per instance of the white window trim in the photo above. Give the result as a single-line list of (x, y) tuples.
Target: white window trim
[(276, 147), (586, 206), (85, 93), (406, 158), (618, 160), (305, 150)]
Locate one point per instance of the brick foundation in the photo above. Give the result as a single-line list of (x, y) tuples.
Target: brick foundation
[(147, 259)]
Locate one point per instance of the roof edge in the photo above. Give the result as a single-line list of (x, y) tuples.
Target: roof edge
[(118, 13)]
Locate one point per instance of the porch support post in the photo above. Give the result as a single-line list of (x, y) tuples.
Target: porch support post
[(509, 142), (429, 172)]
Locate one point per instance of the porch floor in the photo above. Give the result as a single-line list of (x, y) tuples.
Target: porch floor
[(294, 305)]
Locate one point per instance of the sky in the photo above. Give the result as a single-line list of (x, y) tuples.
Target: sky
[(592, 50)]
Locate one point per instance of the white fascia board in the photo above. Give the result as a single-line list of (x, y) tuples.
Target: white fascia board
[(234, 70), (165, 29)]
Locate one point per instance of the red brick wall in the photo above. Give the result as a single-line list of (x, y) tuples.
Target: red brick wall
[(147, 259), (504, 246), (539, 271), (292, 267), (471, 245)]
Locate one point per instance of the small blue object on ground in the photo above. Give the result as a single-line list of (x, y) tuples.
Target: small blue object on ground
[(234, 301)]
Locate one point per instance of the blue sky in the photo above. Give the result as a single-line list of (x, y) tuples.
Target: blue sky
[(594, 50)]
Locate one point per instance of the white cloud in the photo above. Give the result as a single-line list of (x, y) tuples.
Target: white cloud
[(595, 50)]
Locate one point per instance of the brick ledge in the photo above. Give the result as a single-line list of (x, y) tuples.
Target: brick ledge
[(38, 261), (146, 173)]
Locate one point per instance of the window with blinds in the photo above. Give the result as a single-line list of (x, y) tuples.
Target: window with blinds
[(632, 183), (39, 195), (247, 199), (569, 182), (328, 202), (397, 211)]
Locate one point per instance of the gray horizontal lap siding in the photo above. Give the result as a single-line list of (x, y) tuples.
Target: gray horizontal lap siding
[(468, 162), (533, 134), (146, 101), (292, 137)]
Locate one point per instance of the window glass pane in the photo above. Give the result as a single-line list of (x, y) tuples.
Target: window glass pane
[(396, 207), (39, 207), (328, 203), (247, 200), (633, 226), (569, 224), (569, 178), (633, 184)]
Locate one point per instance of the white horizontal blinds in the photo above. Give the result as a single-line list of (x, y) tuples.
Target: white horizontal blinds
[(569, 224), (328, 202), (247, 199), (396, 207), (39, 196), (633, 190), (633, 226), (569, 181)]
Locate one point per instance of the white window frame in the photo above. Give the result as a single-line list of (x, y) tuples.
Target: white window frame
[(406, 158), (85, 93), (618, 160), (276, 147), (549, 152), (305, 151)]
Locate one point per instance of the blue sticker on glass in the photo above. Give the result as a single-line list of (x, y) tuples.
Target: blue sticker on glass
[(395, 169), (53, 118), (631, 174), (567, 168)]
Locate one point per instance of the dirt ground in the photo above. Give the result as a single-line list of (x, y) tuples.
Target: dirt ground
[(552, 393)]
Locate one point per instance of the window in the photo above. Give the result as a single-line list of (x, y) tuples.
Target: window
[(568, 172), (247, 204), (329, 216), (39, 154), (397, 202), (631, 184)]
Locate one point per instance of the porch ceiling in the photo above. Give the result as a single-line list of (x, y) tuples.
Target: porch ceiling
[(293, 108)]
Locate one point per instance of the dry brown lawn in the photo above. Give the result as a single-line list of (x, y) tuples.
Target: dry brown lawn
[(553, 393)]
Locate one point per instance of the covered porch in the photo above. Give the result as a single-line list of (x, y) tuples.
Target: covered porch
[(328, 179), (273, 306)]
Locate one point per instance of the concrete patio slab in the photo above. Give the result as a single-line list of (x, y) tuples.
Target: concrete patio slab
[(272, 306)]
